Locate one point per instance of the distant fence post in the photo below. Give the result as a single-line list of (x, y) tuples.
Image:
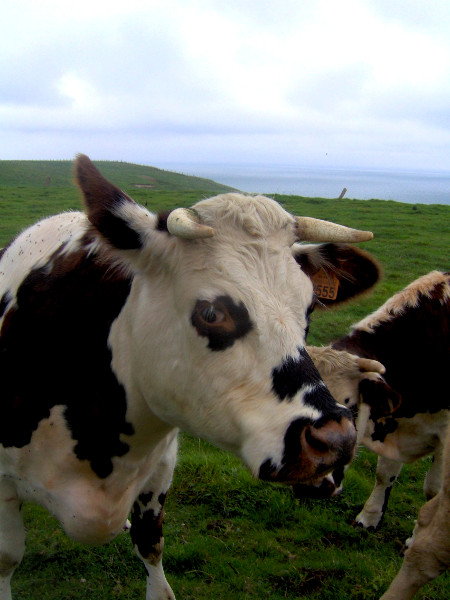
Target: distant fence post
[(344, 191)]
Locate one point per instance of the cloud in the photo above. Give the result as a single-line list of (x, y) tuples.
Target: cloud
[(256, 80)]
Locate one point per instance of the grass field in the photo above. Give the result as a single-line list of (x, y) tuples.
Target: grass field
[(227, 535)]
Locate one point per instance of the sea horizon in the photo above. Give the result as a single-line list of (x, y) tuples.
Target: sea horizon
[(414, 186)]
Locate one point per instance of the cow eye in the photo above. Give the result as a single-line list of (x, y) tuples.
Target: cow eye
[(221, 320), (210, 314)]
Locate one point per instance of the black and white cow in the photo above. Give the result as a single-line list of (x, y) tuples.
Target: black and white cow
[(119, 326), (403, 403)]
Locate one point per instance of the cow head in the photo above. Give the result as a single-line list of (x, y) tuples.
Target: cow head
[(212, 336), (359, 384)]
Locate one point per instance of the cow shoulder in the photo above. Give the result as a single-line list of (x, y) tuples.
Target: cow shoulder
[(54, 338)]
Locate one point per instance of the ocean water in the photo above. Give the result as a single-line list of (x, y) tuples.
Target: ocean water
[(417, 187)]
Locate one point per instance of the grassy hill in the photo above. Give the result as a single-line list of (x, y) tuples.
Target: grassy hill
[(59, 173), (34, 189)]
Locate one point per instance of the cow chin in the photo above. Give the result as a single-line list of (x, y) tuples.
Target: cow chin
[(312, 451)]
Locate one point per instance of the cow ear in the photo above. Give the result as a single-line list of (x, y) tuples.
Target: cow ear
[(380, 396), (123, 223), (338, 271)]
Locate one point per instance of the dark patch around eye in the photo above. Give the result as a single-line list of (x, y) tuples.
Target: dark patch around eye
[(223, 332)]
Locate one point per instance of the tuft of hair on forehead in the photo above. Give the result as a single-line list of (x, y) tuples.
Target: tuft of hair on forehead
[(257, 215)]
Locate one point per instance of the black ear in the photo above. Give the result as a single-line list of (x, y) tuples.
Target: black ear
[(104, 204), (338, 271), (380, 396)]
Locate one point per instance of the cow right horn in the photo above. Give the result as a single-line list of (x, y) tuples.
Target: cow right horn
[(317, 230), (185, 223)]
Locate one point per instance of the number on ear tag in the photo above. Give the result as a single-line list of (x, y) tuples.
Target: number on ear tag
[(326, 285)]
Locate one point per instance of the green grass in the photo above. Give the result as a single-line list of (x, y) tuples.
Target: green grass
[(31, 190), (227, 535), (231, 537)]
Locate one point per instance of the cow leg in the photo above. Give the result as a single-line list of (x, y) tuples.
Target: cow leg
[(433, 478), (12, 536), (429, 553), (146, 526), (387, 472)]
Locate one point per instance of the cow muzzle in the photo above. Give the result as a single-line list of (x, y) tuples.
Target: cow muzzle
[(322, 488), (312, 450)]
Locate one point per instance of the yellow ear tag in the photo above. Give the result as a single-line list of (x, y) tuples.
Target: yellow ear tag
[(326, 285)]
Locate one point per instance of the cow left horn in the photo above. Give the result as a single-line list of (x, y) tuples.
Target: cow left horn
[(185, 223), (316, 230)]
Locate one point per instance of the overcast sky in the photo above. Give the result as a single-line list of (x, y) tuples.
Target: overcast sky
[(310, 82)]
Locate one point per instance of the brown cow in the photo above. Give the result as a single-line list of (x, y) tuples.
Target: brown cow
[(428, 554)]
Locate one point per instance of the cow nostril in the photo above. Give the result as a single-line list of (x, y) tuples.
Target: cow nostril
[(312, 437), (337, 438)]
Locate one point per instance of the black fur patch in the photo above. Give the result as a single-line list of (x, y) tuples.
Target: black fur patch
[(321, 399), (382, 428), (54, 350), (103, 200), (387, 493), (115, 229), (296, 373), (161, 224), (292, 454), (146, 527), (338, 476), (4, 301), (308, 314), (293, 374), (383, 400)]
